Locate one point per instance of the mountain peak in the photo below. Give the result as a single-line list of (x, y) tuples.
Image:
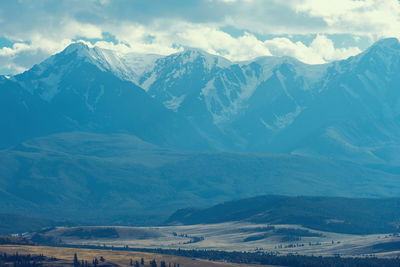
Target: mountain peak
[(391, 43), (387, 46), (191, 54), (384, 53), (104, 59), (78, 46)]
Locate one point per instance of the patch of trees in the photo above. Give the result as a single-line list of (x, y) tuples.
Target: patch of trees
[(18, 260), (84, 263), (256, 229), (45, 239), (153, 263), (193, 239), (11, 240), (387, 246), (288, 234), (296, 232), (88, 233), (264, 258), (255, 237)]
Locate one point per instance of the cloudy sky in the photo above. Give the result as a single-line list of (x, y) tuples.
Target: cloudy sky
[(313, 31)]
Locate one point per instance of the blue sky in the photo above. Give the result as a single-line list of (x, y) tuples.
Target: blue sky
[(313, 31)]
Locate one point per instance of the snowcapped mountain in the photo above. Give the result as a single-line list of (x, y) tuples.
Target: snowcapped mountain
[(347, 109), (83, 89)]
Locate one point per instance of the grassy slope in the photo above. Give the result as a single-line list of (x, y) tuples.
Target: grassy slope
[(333, 214), (121, 258)]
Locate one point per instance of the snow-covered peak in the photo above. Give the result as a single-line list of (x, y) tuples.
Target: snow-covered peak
[(141, 63), (79, 47), (104, 59), (384, 54), (387, 44), (191, 55), (268, 64), (385, 49), (269, 60)]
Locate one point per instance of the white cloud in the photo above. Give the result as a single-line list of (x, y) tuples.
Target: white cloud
[(15, 49), (376, 18), (215, 41), (321, 50), (72, 28), (325, 48), (135, 38), (42, 28), (218, 42)]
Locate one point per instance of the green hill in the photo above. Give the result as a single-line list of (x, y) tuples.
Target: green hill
[(332, 214)]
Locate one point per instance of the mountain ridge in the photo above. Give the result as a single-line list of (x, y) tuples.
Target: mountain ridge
[(97, 178), (269, 104), (331, 214)]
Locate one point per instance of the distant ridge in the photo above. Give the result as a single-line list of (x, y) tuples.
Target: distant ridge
[(332, 214), (119, 179), (13, 224)]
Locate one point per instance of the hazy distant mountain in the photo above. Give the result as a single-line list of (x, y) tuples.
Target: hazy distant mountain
[(118, 178), (12, 224), (194, 100)]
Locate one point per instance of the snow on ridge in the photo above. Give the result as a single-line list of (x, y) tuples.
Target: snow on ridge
[(52, 81), (174, 103), (244, 79), (112, 61), (244, 89), (141, 63), (146, 84), (282, 121), (190, 55), (104, 59)]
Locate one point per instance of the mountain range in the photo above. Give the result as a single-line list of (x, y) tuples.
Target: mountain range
[(193, 100), (134, 137)]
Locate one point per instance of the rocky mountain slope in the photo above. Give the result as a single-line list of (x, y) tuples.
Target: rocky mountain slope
[(196, 101)]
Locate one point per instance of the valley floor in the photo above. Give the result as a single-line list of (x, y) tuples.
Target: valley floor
[(64, 257), (276, 239)]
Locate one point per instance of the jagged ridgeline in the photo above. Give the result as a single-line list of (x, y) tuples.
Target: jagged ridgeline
[(192, 100)]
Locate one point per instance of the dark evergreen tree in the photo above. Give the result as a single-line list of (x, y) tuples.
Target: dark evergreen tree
[(76, 261), (153, 263)]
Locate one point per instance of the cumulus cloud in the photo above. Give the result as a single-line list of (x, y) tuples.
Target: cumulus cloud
[(15, 49), (42, 27), (321, 50), (378, 18)]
